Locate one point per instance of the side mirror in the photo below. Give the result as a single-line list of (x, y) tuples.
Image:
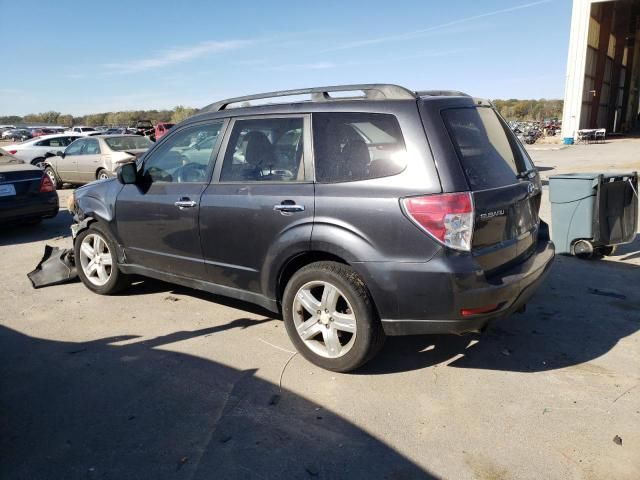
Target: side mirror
[(127, 174), (60, 153)]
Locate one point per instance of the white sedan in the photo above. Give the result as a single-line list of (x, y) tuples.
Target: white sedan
[(33, 151)]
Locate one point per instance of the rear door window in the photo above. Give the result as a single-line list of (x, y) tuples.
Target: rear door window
[(265, 150), (357, 146), (489, 155)]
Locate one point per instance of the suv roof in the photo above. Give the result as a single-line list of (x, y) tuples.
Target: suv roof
[(369, 92)]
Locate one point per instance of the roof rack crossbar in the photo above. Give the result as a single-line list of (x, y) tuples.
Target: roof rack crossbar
[(372, 91)]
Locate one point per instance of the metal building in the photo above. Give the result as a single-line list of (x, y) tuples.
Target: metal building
[(603, 67)]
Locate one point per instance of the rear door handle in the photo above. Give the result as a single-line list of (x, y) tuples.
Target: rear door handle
[(185, 202), (288, 208)]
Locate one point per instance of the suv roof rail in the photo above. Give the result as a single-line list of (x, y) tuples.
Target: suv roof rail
[(442, 93), (372, 91)]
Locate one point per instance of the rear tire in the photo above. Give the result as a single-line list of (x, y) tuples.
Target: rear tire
[(330, 317), (37, 162), (97, 263), (582, 249), (53, 177), (102, 174)]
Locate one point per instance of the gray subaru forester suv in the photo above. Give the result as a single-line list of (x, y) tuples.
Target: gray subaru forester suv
[(361, 212)]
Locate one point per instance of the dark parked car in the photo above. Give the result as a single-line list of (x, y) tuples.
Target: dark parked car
[(142, 127), (17, 134), (26, 193), (388, 212)]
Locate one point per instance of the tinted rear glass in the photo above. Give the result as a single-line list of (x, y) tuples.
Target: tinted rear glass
[(489, 157), (128, 143)]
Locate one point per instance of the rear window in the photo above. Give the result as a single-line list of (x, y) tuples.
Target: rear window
[(357, 146), (489, 157), (127, 143)]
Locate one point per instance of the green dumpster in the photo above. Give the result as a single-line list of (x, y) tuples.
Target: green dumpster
[(593, 212)]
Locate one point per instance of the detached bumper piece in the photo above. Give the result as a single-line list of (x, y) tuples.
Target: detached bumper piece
[(57, 266)]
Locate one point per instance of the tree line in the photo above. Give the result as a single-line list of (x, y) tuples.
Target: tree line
[(126, 118), (512, 109), (535, 110)]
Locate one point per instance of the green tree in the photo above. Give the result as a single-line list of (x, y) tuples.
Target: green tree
[(32, 118), (10, 119), (95, 119), (523, 110), (50, 117), (181, 113), (65, 120)]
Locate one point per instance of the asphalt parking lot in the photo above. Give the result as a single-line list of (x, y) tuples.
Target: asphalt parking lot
[(166, 382)]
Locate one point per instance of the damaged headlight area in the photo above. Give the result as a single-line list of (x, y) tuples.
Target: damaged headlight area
[(71, 203)]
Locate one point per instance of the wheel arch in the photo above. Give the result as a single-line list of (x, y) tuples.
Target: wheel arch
[(52, 165), (95, 174), (298, 261)]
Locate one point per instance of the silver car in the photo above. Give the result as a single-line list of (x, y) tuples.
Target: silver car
[(94, 158), (33, 151)]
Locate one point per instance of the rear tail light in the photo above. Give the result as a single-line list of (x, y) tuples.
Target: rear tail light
[(13, 152), (447, 217), (46, 185)]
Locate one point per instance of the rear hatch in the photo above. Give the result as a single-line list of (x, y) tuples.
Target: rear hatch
[(504, 184)]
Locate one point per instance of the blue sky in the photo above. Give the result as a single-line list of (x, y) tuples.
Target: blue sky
[(86, 57)]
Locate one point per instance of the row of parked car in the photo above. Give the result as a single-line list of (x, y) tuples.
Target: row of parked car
[(74, 158), (143, 127)]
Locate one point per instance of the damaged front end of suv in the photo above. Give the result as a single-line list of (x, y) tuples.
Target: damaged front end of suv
[(94, 202)]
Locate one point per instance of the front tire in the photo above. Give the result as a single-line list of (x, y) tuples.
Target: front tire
[(330, 317), (96, 261)]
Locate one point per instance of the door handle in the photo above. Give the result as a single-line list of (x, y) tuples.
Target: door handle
[(185, 202), (285, 208)]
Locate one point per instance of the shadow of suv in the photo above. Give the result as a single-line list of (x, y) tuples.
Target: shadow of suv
[(387, 212)]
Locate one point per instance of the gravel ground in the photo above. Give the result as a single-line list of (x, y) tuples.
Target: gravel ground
[(166, 382)]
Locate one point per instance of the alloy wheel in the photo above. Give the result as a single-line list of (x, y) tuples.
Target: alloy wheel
[(324, 319), (95, 259)]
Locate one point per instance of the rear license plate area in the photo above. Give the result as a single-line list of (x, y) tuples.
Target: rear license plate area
[(7, 190)]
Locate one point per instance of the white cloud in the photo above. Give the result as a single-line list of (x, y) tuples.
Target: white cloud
[(177, 55), (426, 31)]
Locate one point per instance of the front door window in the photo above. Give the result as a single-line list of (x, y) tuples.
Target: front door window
[(185, 157)]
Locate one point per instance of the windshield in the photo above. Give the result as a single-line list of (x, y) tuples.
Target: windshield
[(88, 129), (128, 143)]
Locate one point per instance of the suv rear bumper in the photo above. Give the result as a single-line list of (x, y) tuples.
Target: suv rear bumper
[(427, 298)]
